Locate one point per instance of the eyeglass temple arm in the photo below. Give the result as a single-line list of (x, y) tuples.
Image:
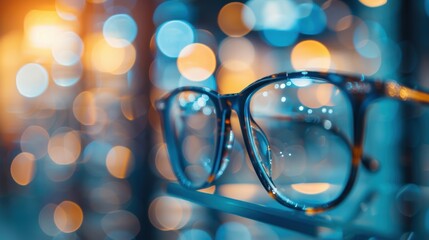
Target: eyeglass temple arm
[(395, 90)]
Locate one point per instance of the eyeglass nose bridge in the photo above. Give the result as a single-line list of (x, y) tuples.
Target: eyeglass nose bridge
[(227, 103), (230, 102)]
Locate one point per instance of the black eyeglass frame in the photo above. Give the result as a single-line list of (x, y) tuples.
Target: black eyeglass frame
[(361, 91)]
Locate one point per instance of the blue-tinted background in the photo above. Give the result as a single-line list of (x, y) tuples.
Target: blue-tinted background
[(82, 155)]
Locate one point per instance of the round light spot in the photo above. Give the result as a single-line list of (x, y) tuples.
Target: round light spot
[(271, 14), (409, 200), (312, 19), (196, 62), (230, 81), (35, 140), (22, 168), (280, 38), (162, 164), (94, 157), (128, 61), (325, 94), (32, 80), (236, 53), (369, 49), (194, 234), (366, 39), (169, 10), (310, 54), (230, 19), (119, 161), (66, 76), (373, 3), (106, 58), (68, 216), (120, 225), (168, 213), (85, 108), (42, 28), (120, 30), (64, 146), (46, 220), (69, 9), (338, 15), (67, 48), (346, 32), (231, 230), (173, 36)]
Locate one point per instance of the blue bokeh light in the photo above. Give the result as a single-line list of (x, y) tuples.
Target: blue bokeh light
[(280, 38), (369, 50), (173, 36), (367, 38), (172, 10), (94, 155), (312, 19), (120, 30), (164, 74), (66, 76), (194, 234), (369, 30), (271, 14), (231, 230)]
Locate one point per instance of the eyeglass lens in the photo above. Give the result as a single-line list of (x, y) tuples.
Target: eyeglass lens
[(195, 132), (307, 124)]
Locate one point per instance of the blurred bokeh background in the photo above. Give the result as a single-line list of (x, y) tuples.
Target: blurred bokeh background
[(81, 150)]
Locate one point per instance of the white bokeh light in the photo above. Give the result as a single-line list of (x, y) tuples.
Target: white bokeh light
[(32, 80)]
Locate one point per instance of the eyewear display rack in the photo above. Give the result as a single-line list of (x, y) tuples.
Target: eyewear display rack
[(316, 226)]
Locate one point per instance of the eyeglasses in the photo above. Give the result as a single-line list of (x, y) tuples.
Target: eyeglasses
[(303, 132)]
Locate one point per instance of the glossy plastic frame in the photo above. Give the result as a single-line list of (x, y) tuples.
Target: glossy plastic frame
[(360, 90)]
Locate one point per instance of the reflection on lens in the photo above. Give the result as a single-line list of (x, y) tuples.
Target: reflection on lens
[(194, 123), (300, 136), (311, 188)]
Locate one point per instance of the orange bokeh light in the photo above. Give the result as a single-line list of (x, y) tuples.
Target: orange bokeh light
[(119, 161), (196, 62), (68, 216), (64, 147), (22, 168), (311, 54), (316, 96), (373, 3), (106, 58), (85, 109), (42, 28), (311, 188), (230, 81), (230, 19), (168, 213)]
